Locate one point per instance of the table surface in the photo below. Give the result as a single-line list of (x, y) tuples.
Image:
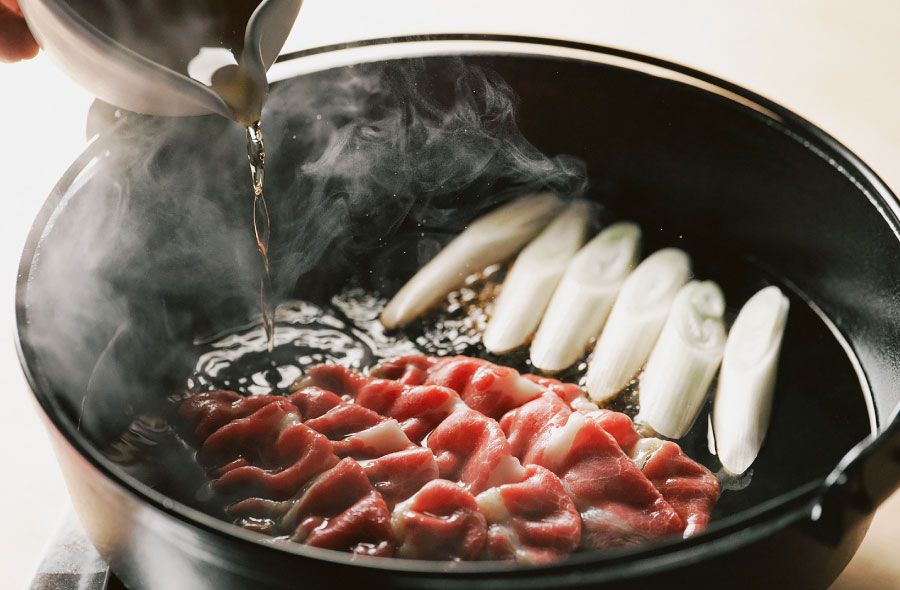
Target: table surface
[(833, 62)]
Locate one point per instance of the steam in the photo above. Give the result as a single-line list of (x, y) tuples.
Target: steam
[(371, 169), (400, 146)]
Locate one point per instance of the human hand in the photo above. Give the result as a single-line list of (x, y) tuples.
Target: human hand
[(16, 41)]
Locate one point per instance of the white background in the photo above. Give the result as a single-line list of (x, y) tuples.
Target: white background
[(835, 62)]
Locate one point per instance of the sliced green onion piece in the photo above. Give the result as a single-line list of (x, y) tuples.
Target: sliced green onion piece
[(532, 279), (635, 321), (747, 381), (684, 360), (490, 239), (586, 293)]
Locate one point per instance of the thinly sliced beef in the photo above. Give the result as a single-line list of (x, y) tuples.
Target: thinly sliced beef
[(355, 431), (314, 401), (418, 409), (409, 370), (485, 387), (618, 425), (533, 521), (568, 392), (269, 454), (690, 488), (326, 465), (204, 413), (533, 427), (249, 480), (341, 510), (379, 395), (685, 484), (619, 506), (397, 476), (339, 380), (252, 437), (470, 448), (338, 510), (530, 428), (375, 441), (440, 522), (344, 419)]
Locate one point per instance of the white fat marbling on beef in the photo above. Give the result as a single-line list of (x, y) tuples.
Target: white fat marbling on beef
[(561, 440), (512, 539), (398, 518), (643, 450), (491, 504), (457, 405), (518, 388), (383, 438), (583, 404), (593, 518), (288, 421), (508, 470), (532, 521)]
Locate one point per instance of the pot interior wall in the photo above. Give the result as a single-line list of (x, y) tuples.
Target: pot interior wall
[(108, 336)]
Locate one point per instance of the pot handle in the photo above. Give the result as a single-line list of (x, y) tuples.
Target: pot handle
[(867, 475)]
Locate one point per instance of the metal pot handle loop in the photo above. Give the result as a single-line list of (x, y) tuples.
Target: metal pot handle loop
[(867, 475)]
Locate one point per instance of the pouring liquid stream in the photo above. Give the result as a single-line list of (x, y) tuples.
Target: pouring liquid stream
[(245, 97), (262, 228), (205, 40)]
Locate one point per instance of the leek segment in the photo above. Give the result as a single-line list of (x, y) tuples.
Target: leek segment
[(584, 297), (685, 359), (635, 321), (491, 239), (743, 402), (534, 275)]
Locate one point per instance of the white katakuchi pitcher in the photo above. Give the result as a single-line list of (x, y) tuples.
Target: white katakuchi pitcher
[(124, 77)]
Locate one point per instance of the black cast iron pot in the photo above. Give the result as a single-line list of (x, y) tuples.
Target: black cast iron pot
[(145, 244)]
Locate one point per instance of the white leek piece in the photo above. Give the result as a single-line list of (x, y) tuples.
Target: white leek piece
[(635, 321), (532, 279), (685, 359), (747, 380), (586, 293), (490, 239)]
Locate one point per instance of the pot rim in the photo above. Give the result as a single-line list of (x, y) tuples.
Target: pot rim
[(722, 536)]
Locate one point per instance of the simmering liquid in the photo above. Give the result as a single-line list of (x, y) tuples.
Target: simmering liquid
[(346, 330)]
